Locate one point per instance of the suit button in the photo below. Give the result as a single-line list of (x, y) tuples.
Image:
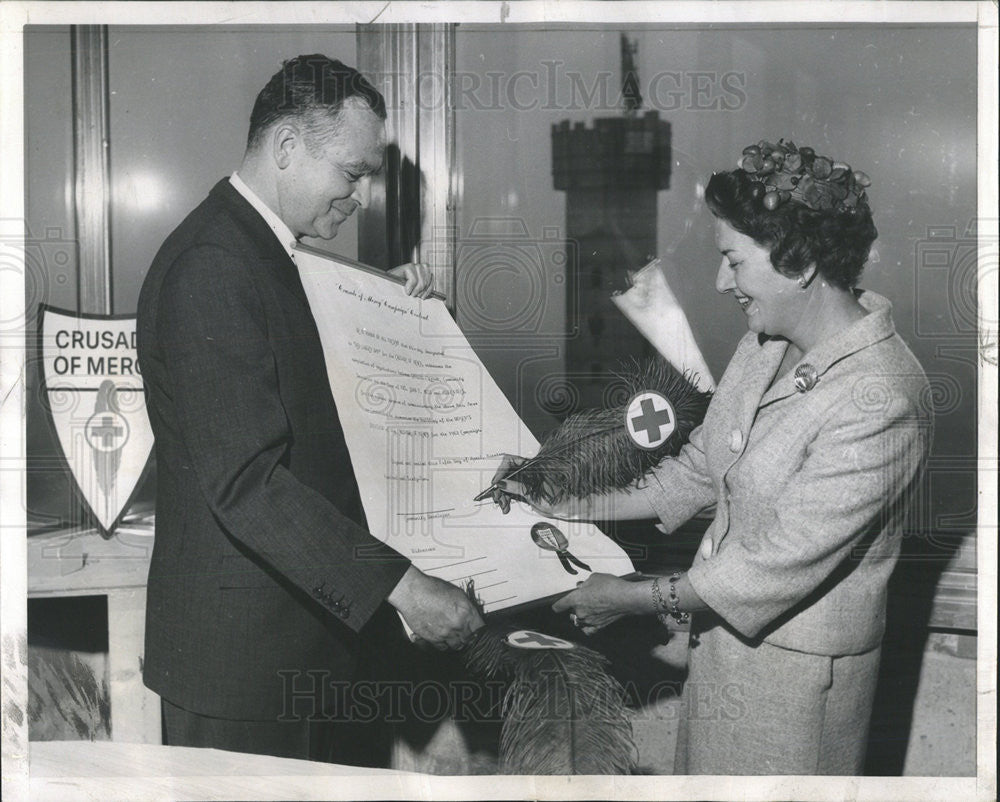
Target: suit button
[(735, 440), (706, 548)]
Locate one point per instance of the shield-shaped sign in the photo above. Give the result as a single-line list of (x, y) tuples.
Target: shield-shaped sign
[(93, 391)]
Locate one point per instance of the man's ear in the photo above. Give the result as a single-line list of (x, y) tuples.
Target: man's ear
[(284, 141)]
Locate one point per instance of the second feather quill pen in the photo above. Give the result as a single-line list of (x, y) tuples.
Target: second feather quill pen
[(593, 451)]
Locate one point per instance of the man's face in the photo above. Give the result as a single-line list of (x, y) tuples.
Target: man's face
[(321, 186)]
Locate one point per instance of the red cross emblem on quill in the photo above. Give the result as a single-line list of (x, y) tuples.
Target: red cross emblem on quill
[(650, 419)]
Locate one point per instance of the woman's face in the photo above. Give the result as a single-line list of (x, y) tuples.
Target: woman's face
[(771, 302)]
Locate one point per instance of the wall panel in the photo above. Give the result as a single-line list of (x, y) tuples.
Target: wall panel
[(180, 103)]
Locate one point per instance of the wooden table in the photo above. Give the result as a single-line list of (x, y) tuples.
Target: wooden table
[(82, 563), (100, 770)]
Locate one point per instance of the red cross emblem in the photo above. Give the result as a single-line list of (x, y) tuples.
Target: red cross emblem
[(650, 419), (528, 639), (107, 431)]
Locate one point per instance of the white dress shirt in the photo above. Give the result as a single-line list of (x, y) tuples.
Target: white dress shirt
[(277, 225)]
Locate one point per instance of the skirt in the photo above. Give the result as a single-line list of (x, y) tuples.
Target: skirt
[(755, 708)]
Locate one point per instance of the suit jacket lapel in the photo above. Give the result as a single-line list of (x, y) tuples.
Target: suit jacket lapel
[(757, 377), (758, 371), (269, 249), (873, 328)]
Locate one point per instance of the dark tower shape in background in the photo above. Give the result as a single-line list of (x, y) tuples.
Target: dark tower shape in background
[(611, 174)]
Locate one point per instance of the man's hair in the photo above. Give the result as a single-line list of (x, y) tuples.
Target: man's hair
[(311, 90)]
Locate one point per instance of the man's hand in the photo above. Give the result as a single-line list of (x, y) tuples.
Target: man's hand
[(418, 277), (437, 611)]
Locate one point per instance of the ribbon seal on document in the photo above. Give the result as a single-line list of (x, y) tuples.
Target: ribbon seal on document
[(546, 536)]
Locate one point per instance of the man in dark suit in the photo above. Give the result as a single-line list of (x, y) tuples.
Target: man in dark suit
[(264, 575)]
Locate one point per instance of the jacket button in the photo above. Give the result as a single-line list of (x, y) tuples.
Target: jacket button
[(735, 440), (706, 548)]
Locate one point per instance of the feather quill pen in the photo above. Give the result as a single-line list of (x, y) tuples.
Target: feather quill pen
[(562, 712), (592, 452)]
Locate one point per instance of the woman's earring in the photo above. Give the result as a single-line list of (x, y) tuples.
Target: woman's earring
[(803, 282)]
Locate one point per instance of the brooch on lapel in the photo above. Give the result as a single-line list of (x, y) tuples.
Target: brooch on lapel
[(805, 377)]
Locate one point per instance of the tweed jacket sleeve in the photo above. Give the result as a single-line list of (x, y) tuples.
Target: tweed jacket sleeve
[(810, 485), (681, 487), (237, 436), (833, 508)]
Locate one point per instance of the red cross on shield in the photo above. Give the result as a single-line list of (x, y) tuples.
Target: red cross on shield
[(650, 419)]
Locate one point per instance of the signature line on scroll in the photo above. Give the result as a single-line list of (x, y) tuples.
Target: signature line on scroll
[(424, 512)]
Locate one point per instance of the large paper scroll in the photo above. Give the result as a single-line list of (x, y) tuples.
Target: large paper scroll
[(426, 426)]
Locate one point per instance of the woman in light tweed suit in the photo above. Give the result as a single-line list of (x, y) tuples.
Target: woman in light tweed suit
[(815, 436)]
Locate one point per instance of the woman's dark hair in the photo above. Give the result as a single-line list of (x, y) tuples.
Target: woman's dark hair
[(836, 240), (313, 90)]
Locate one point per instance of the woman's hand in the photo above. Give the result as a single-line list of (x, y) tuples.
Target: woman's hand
[(615, 505), (418, 277), (603, 599), (507, 489)]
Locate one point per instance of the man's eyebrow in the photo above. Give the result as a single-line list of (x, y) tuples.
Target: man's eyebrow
[(363, 167)]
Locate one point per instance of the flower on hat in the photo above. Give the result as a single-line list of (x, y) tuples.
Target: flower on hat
[(787, 172)]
